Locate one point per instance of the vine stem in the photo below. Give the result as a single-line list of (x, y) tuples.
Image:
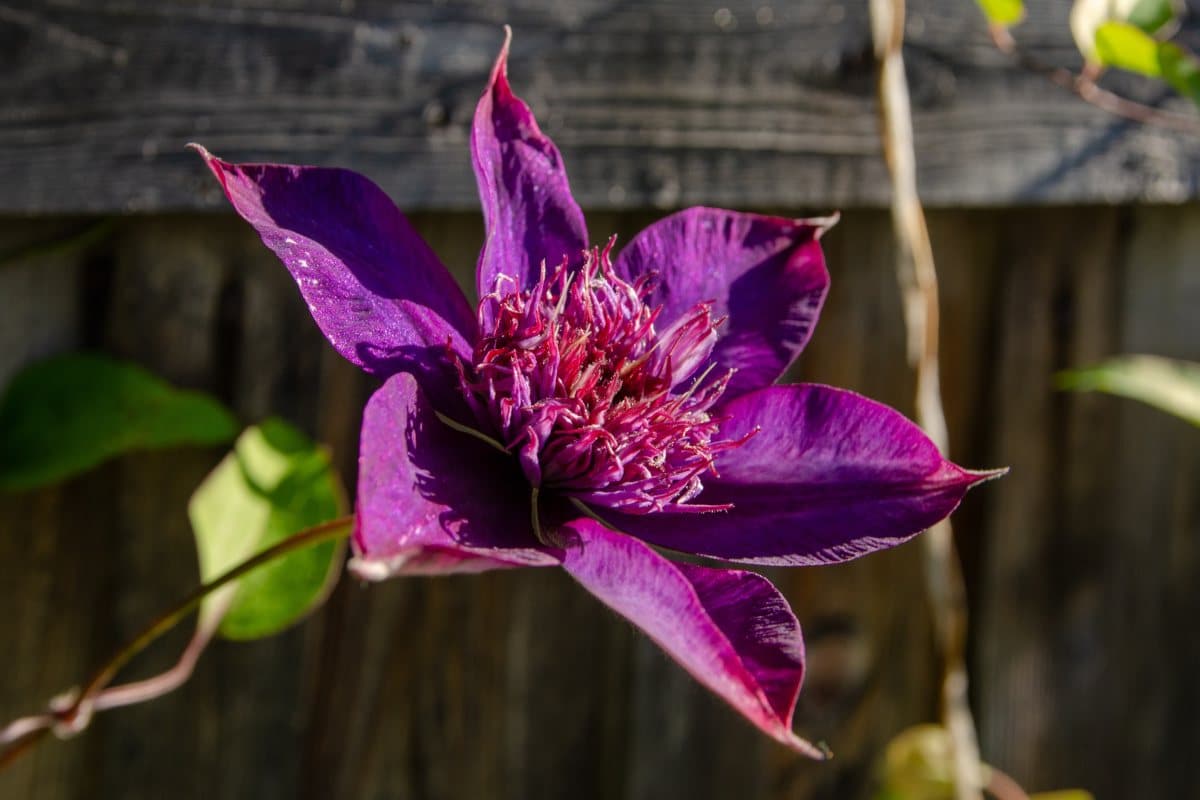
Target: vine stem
[(1084, 86), (919, 288), (70, 712), (1003, 787)]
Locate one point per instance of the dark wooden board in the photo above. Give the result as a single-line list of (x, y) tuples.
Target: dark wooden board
[(655, 104), (1086, 637)]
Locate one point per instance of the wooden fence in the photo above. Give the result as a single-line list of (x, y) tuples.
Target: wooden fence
[(1082, 564)]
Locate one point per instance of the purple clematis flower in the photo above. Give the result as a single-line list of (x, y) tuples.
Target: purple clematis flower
[(599, 407)]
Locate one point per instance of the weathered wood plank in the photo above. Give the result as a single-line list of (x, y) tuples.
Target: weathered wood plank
[(665, 103), (1090, 563), (1031, 578), (47, 650), (1151, 586)]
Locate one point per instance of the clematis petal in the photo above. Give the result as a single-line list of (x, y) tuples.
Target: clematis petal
[(376, 290), (766, 274), (730, 629), (432, 499), (830, 476), (529, 214)]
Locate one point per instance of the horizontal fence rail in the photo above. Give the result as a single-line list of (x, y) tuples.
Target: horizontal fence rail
[(657, 103)]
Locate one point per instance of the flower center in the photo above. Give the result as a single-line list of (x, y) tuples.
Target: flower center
[(574, 378)]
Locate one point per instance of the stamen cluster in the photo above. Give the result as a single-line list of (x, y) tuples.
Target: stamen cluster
[(572, 376)]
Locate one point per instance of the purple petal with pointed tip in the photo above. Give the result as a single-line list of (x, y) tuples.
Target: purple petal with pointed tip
[(432, 499), (529, 214), (731, 630), (831, 476), (767, 274), (376, 290)]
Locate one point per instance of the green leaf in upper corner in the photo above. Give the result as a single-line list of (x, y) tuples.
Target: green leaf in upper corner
[(1173, 386), (1152, 15), (1122, 45), (1088, 16), (274, 484), (1119, 44), (1003, 12), (67, 414)]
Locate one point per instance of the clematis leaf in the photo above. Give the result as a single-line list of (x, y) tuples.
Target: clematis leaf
[(1173, 386), (1181, 70), (275, 483), (1088, 16), (1122, 45), (67, 414), (1005, 13), (1151, 15)]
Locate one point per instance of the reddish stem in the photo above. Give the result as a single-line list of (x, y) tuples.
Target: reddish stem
[(67, 717), (1084, 86)]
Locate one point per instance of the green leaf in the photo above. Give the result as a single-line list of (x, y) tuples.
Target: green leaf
[(274, 484), (1005, 13), (62, 416), (1122, 45), (1119, 44), (1173, 386), (1088, 16), (1151, 15), (1181, 70)]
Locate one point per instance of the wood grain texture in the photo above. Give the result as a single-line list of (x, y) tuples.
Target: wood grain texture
[(519, 685), (655, 104), (41, 299), (1086, 634), (1040, 622)]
